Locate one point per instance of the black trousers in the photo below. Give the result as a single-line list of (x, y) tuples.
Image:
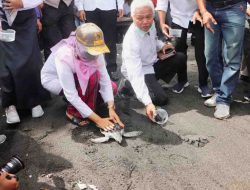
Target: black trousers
[(246, 49), (21, 63), (106, 20), (166, 70), (181, 46), (57, 24)]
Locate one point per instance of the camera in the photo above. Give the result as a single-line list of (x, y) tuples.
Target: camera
[(13, 166)]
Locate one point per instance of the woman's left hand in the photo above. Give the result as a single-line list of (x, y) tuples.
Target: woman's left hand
[(115, 118), (12, 4)]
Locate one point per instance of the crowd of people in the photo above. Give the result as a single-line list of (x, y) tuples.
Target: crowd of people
[(80, 60)]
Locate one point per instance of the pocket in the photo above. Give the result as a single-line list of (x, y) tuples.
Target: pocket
[(240, 7)]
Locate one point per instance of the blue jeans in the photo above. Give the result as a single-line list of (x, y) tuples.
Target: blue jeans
[(223, 48)]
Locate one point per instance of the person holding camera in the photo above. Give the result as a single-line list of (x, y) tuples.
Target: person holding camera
[(8, 181), (140, 65), (76, 69)]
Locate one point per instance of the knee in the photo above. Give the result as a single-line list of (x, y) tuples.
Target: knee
[(181, 59), (160, 100)]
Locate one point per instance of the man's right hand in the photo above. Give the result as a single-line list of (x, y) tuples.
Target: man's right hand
[(165, 29), (82, 15), (207, 19), (150, 111)]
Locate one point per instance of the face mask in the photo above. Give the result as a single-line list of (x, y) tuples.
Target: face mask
[(84, 54), (89, 57)]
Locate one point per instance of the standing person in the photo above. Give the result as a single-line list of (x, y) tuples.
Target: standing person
[(182, 17), (104, 15), (140, 65), (246, 59), (21, 63), (58, 22), (224, 34), (76, 68)]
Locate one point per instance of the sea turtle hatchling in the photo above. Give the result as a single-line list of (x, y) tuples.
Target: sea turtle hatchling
[(116, 133)]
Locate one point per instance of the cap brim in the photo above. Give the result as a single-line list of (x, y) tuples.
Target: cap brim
[(98, 50)]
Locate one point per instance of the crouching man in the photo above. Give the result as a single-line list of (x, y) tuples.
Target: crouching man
[(141, 66), (76, 69)]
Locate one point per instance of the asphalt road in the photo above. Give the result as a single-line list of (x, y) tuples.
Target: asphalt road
[(58, 154)]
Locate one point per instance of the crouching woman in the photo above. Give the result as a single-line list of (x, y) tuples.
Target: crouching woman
[(76, 69)]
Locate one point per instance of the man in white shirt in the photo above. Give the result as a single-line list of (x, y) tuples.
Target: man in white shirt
[(140, 65), (76, 68), (182, 17), (104, 14), (58, 22)]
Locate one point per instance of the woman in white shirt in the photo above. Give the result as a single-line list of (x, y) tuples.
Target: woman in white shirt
[(76, 68), (21, 62)]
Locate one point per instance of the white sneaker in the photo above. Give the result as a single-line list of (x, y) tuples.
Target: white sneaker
[(211, 102), (2, 138), (222, 111), (37, 111), (11, 115)]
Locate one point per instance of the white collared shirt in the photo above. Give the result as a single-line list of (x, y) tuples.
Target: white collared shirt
[(55, 3), (139, 54), (28, 4), (105, 5), (182, 11), (57, 76)]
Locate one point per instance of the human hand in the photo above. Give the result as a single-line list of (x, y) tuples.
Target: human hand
[(39, 25), (165, 29), (12, 4), (150, 111), (166, 47), (248, 12), (41, 6), (197, 17), (207, 19), (121, 13), (105, 123), (8, 181), (115, 118), (82, 15)]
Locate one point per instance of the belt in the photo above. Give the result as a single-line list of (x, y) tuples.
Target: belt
[(222, 4)]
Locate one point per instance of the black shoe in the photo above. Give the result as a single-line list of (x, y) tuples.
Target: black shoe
[(245, 78), (114, 76)]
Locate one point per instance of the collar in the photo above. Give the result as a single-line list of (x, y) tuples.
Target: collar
[(141, 32)]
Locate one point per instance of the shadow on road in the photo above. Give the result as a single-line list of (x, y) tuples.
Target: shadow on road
[(37, 162)]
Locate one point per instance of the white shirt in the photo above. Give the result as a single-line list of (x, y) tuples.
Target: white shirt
[(57, 76), (182, 11), (28, 4), (105, 5), (138, 57), (55, 3)]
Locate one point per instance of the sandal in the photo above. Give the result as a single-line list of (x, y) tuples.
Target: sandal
[(77, 121)]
